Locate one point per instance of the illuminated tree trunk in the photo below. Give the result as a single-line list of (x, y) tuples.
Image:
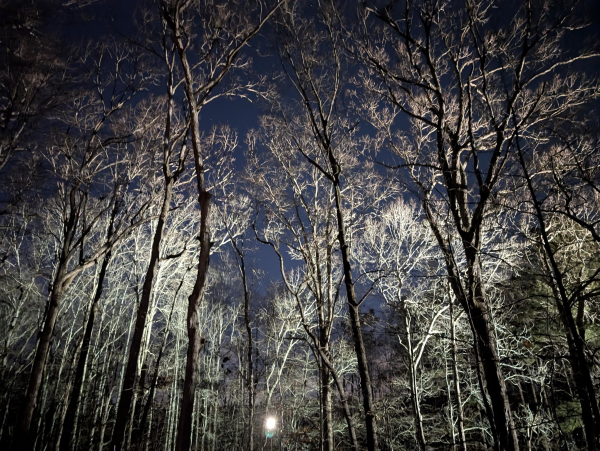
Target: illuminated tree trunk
[(590, 413), (455, 376), (127, 391)]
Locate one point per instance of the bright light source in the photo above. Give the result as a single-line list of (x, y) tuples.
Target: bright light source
[(270, 423)]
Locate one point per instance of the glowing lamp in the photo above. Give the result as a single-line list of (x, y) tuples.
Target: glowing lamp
[(270, 424)]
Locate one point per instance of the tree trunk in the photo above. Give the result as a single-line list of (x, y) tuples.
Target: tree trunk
[(192, 91), (328, 443), (250, 349), (353, 307), (23, 437), (184, 429), (487, 349), (460, 413), (140, 323), (347, 413), (472, 299), (67, 431), (60, 415), (154, 382), (250, 377), (412, 373), (586, 401), (590, 413)]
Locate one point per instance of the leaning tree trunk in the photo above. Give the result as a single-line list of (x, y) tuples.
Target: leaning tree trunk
[(590, 412), (184, 429), (131, 369), (66, 428), (62, 279), (353, 307), (487, 349), (66, 433), (22, 436), (59, 286)]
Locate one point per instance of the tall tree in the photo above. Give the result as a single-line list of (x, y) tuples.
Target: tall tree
[(215, 32), (323, 135), (571, 275), (299, 209), (400, 257), (174, 152), (458, 81), (81, 164)]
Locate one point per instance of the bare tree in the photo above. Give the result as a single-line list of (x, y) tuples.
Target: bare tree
[(565, 264), (80, 164), (459, 81), (173, 163), (217, 34), (299, 208), (324, 135), (400, 257), (236, 216)]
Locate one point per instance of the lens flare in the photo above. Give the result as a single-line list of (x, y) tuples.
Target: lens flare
[(270, 423)]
